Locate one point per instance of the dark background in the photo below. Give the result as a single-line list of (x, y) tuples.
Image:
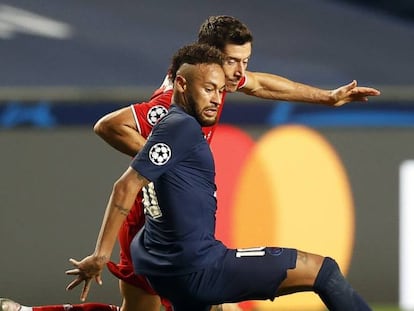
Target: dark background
[(129, 43)]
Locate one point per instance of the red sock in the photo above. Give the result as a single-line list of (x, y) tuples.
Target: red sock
[(78, 307)]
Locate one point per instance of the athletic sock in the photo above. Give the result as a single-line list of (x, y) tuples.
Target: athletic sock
[(77, 307), (335, 291)]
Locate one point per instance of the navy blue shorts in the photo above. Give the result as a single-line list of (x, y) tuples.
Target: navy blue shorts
[(243, 274)]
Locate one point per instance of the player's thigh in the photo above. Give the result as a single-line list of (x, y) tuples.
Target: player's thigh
[(255, 273), (240, 275), (137, 299)]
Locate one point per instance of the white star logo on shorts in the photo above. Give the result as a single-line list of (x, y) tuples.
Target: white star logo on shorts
[(156, 113), (159, 154)]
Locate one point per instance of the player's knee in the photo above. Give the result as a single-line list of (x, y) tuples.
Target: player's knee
[(329, 270), (335, 291)]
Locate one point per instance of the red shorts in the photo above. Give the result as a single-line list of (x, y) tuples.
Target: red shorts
[(124, 270)]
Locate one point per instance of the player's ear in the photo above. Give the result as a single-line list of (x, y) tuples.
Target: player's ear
[(180, 83)]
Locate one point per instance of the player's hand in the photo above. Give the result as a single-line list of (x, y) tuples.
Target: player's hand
[(87, 269), (351, 92)]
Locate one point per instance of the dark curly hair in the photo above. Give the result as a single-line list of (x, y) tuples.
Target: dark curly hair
[(220, 30), (194, 54)]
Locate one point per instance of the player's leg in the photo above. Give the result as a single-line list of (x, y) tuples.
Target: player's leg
[(226, 307), (137, 299), (303, 276), (323, 276), (10, 305), (263, 273)]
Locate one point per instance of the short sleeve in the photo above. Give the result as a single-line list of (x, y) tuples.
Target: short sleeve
[(171, 140)]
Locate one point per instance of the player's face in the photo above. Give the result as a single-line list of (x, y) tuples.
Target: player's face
[(205, 93), (235, 64)]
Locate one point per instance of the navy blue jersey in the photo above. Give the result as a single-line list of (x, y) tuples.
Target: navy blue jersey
[(180, 205)]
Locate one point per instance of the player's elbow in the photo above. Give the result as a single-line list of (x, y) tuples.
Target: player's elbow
[(120, 187), (129, 184), (102, 127)]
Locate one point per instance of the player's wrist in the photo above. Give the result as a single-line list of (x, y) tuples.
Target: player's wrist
[(101, 259), (329, 97)]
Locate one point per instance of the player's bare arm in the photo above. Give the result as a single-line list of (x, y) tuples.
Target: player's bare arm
[(119, 130), (120, 202), (270, 86)]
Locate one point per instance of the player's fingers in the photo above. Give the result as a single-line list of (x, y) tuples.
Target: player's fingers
[(74, 283), (98, 279), (367, 91), (72, 272), (85, 290), (351, 86), (74, 261)]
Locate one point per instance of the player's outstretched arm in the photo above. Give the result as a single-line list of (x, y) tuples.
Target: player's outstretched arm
[(270, 86), (119, 130), (123, 194)]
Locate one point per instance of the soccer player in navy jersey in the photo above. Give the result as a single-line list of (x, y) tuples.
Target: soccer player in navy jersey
[(177, 249)]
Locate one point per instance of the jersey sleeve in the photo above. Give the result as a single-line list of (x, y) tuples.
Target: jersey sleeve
[(170, 141)]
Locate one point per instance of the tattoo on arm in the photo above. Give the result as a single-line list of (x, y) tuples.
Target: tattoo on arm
[(131, 176), (302, 256), (141, 178), (124, 211)]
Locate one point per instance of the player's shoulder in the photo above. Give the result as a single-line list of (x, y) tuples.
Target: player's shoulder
[(180, 120)]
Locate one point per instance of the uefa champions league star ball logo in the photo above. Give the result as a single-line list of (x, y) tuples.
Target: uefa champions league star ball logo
[(155, 114), (160, 153)]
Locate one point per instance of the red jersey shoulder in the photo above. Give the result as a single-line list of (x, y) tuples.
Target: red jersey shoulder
[(147, 114)]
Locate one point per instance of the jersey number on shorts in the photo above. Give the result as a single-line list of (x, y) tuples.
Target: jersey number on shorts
[(250, 252), (150, 201)]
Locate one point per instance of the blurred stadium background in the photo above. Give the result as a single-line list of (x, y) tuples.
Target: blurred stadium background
[(64, 64)]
